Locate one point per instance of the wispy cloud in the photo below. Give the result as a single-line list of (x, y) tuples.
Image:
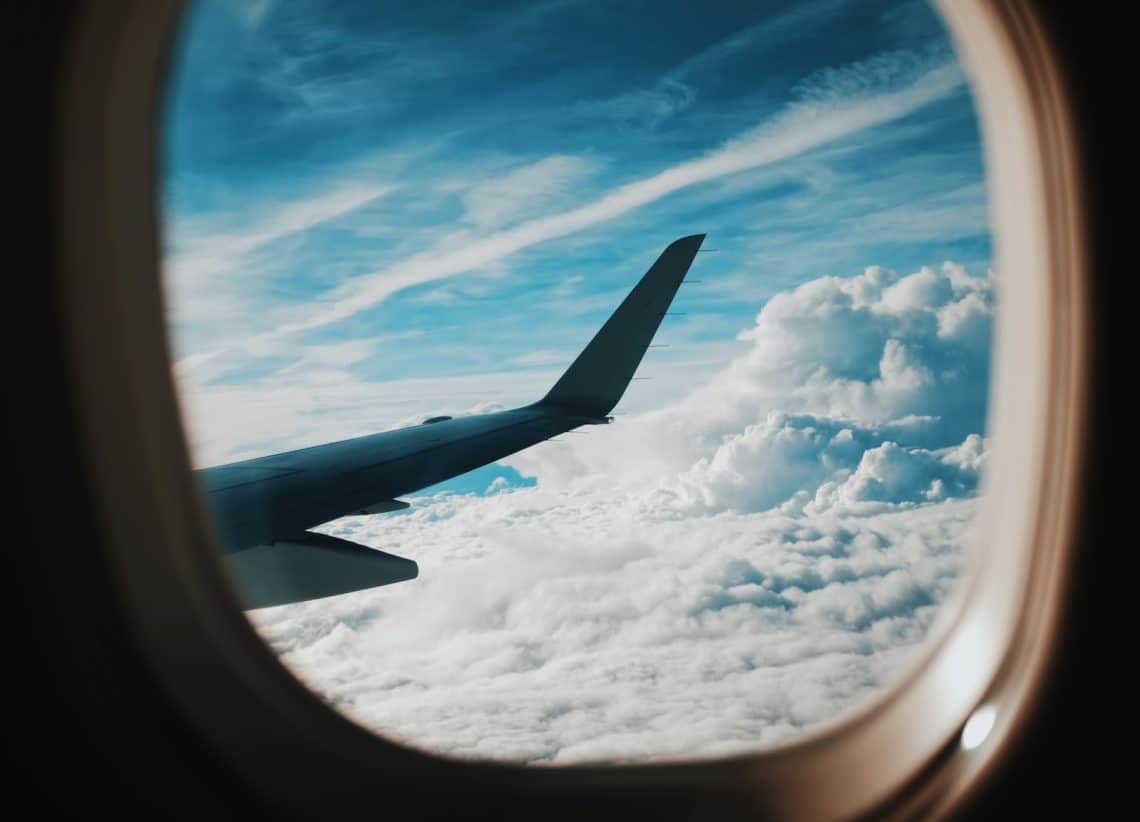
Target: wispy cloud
[(804, 126), (803, 16), (319, 63), (680, 87), (207, 254), (505, 198)]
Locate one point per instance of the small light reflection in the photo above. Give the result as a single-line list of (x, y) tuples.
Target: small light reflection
[(978, 727)]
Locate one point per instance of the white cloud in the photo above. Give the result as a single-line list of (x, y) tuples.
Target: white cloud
[(523, 191), (555, 630), (210, 261), (676, 90), (719, 574), (785, 461), (873, 353)]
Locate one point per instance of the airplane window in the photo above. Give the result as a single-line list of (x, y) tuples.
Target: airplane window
[(576, 384)]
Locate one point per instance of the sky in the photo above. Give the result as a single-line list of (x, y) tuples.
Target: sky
[(376, 213)]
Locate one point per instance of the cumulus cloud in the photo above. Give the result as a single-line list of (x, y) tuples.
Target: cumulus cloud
[(789, 460), (718, 574), (882, 356)]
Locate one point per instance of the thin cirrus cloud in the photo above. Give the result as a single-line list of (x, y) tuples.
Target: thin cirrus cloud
[(678, 89), (506, 197), (802, 127), (208, 269), (828, 117), (213, 275), (205, 252), (210, 272)]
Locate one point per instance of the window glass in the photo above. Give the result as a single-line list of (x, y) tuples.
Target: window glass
[(378, 214)]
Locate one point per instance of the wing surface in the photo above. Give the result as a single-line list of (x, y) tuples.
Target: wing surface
[(263, 508)]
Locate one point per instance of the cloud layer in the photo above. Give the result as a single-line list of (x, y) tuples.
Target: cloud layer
[(719, 574)]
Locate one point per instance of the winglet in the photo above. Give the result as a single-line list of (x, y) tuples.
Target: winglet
[(596, 380)]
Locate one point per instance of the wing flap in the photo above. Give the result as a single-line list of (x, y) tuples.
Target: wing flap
[(385, 507), (312, 566)]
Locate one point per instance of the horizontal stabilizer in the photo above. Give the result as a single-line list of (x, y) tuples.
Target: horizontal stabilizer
[(312, 566), (596, 380)]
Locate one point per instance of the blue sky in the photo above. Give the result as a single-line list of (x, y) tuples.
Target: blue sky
[(428, 193)]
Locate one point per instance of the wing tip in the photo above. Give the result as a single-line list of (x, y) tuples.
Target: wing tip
[(596, 380), (689, 240)]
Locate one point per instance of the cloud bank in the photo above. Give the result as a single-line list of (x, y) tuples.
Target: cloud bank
[(719, 574)]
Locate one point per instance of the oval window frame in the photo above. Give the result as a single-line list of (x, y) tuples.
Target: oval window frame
[(899, 752)]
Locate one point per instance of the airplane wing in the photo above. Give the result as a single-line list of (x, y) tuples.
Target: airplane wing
[(262, 508)]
